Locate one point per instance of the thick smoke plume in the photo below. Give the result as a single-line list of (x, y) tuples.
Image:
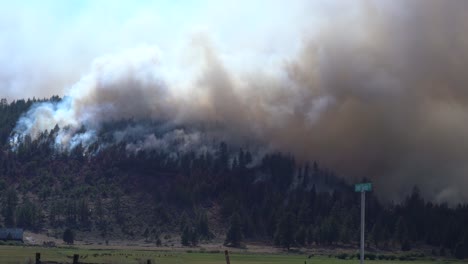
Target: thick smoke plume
[(379, 92)]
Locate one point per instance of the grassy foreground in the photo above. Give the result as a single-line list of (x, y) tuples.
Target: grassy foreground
[(19, 254)]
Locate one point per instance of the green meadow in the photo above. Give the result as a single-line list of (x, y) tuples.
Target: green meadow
[(20, 254)]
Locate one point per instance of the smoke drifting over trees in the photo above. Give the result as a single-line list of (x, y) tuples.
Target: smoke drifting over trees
[(379, 92)]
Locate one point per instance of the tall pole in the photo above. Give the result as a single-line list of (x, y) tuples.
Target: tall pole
[(363, 215)]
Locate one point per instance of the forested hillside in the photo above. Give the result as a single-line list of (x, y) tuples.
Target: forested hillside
[(229, 193)]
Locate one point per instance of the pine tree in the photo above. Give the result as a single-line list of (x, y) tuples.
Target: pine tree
[(68, 236), (461, 248), (234, 234), (99, 209), (185, 237), (377, 234), (401, 231), (27, 215), (310, 235), (84, 212), (9, 209), (146, 234), (301, 236), (194, 237), (202, 225), (284, 235), (223, 157), (184, 222)]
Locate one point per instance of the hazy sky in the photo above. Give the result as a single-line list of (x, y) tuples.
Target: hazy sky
[(47, 45)]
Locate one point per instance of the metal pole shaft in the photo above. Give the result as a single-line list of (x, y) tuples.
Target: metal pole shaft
[(363, 215)]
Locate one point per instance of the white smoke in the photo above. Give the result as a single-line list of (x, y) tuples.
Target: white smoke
[(176, 141), (375, 91), (123, 86)]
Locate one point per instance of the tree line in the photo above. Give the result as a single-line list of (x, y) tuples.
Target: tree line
[(198, 196)]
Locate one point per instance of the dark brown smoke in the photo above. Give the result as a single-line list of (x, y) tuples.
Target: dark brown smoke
[(379, 92), (398, 83)]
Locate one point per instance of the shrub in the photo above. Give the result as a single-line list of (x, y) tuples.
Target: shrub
[(382, 257), (370, 256), (406, 246)]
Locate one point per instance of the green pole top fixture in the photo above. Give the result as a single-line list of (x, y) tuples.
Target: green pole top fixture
[(363, 187)]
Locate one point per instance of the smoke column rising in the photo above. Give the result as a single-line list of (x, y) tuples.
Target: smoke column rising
[(377, 91)]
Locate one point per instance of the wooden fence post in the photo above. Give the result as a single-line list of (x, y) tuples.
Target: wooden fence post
[(38, 258), (75, 258), (226, 253), (148, 262)]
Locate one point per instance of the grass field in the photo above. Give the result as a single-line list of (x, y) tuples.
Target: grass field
[(19, 254)]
